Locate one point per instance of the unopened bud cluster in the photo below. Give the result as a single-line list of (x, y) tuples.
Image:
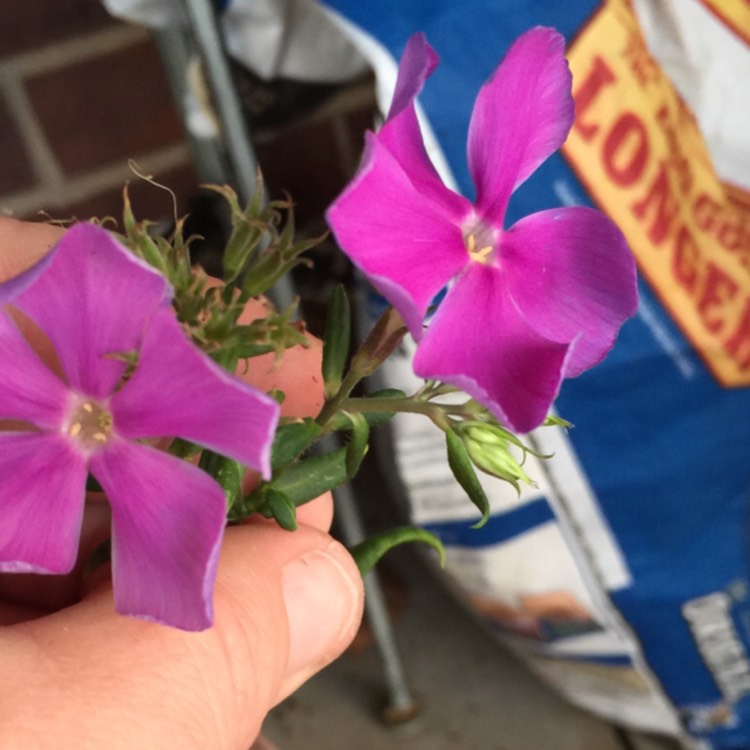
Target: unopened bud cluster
[(489, 447)]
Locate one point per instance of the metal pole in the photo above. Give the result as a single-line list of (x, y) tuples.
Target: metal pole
[(175, 48), (401, 706), (235, 135), (205, 29)]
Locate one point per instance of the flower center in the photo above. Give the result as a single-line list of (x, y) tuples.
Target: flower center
[(481, 239), (481, 254), (90, 424)]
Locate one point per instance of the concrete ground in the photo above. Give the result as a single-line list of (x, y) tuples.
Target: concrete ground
[(472, 693)]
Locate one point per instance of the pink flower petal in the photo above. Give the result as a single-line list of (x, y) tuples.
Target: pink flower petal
[(11, 288), (521, 116), (401, 239), (402, 136), (418, 63), (29, 390), (177, 391), (94, 300), (167, 524), (44, 481), (479, 342), (574, 279)]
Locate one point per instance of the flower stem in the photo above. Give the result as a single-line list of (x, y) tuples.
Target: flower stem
[(331, 407), (438, 413), (383, 339)]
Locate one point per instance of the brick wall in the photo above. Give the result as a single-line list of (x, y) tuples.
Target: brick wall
[(81, 94)]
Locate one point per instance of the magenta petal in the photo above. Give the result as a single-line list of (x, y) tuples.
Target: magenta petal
[(403, 138), (418, 63), (167, 524), (397, 236), (11, 288), (177, 391), (479, 342), (44, 482), (521, 116), (573, 276), (29, 390), (94, 300)]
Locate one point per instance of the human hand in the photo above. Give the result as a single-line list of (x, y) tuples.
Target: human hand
[(78, 675)]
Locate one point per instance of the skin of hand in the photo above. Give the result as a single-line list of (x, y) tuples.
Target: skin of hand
[(78, 675)]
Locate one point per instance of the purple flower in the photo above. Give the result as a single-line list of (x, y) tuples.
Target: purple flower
[(526, 306), (98, 304)]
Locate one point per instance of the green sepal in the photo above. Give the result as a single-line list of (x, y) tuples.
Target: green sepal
[(358, 444), (553, 420), (494, 434), (292, 439), (247, 231), (282, 509), (138, 238), (278, 259), (462, 468), (307, 479), (366, 554), (257, 254), (336, 340)]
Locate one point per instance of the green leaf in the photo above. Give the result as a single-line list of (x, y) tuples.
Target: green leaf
[(247, 231), (358, 444), (336, 341), (306, 479), (229, 475), (226, 471), (281, 507), (366, 554), (462, 468), (244, 241), (184, 448), (139, 239), (293, 439)]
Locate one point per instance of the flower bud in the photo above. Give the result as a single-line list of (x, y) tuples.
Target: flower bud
[(488, 447), (384, 338)]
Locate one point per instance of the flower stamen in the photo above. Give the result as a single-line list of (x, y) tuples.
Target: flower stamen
[(482, 255), (90, 424)]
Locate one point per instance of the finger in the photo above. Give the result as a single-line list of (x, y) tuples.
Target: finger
[(317, 513), (29, 595), (286, 605), (23, 243), (297, 373), (11, 613)]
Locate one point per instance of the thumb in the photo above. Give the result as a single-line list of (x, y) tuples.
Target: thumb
[(22, 243), (286, 605)]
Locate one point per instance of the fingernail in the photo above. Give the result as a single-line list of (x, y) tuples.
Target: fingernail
[(324, 606)]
